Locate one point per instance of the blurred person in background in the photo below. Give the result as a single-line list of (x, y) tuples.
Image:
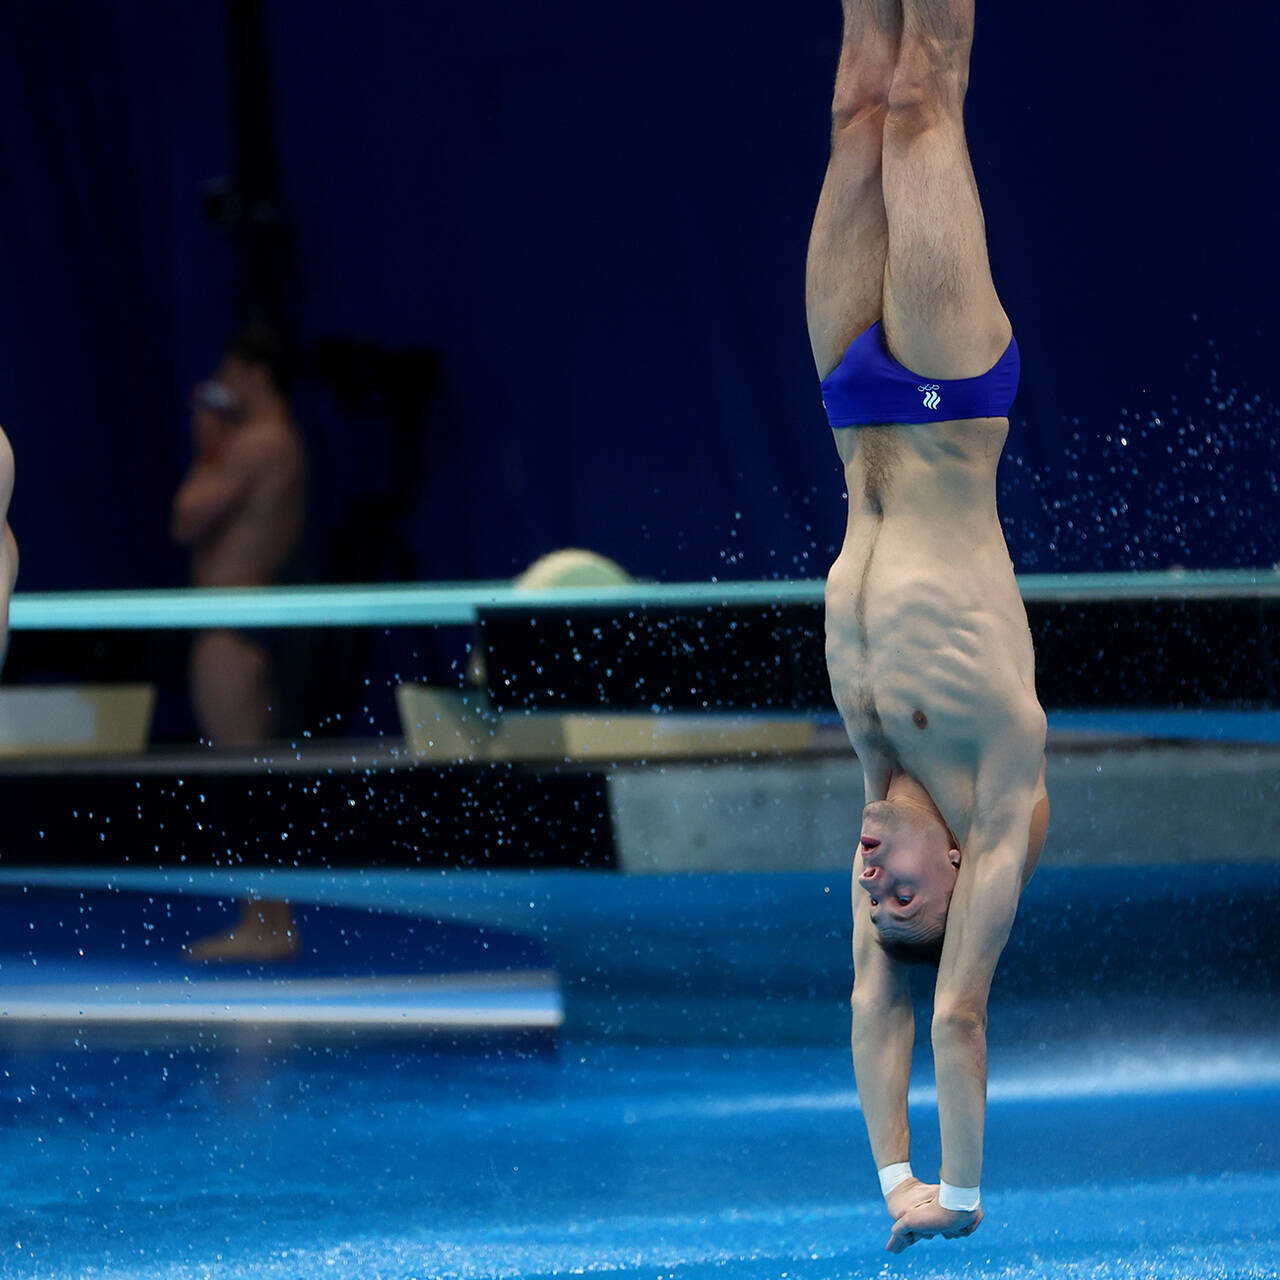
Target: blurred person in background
[(240, 512), (8, 543)]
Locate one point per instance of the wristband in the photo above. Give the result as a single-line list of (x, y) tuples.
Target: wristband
[(959, 1199), (894, 1175)]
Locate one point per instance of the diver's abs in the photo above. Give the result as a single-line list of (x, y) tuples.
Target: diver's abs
[(924, 617), (925, 628)]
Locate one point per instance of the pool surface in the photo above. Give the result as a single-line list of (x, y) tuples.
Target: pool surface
[(696, 1116), (676, 1161)]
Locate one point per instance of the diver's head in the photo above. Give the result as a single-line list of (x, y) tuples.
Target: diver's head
[(909, 867)]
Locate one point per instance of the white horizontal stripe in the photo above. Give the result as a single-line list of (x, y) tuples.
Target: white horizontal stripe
[(1222, 1072), (541, 1013), (525, 999), (219, 990)]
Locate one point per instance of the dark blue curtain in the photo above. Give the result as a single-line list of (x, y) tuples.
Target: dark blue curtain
[(113, 292), (599, 218)]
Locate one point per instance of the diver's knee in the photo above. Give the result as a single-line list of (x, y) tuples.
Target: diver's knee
[(929, 84), (860, 99)]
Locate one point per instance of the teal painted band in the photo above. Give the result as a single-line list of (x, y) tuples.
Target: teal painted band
[(457, 604)]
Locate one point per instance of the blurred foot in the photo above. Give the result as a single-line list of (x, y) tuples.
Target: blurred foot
[(265, 931)]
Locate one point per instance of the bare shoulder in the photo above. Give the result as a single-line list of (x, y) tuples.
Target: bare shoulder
[(1012, 753), (266, 445), (6, 473), (1010, 810), (989, 783)]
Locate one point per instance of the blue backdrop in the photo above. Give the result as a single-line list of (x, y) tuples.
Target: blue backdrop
[(600, 216)]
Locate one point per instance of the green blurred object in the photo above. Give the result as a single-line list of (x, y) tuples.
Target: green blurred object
[(451, 604)]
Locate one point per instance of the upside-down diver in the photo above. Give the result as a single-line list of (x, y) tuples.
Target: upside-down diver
[(928, 646)]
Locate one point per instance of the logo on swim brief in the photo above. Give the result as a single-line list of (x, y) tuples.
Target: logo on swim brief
[(931, 397)]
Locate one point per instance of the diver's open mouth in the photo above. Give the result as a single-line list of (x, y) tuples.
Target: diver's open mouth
[(869, 843)]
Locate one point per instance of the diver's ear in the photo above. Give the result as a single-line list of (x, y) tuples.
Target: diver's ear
[(954, 855)]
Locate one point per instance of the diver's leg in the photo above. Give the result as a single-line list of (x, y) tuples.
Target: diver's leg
[(942, 316), (844, 277)]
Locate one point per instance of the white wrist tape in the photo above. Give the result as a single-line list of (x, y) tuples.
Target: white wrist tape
[(894, 1175), (961, 1199)]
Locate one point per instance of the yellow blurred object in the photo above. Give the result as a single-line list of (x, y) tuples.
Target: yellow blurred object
[(445, 724)]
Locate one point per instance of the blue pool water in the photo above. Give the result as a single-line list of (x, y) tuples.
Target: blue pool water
[(603, 1159), (697, 1119)]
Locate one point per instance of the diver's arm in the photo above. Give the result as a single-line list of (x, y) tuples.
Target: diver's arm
[(1039, 827), (208, 495), (978, 924), (217, 485), (1011, 814), (1008, 804), (883, 1033)]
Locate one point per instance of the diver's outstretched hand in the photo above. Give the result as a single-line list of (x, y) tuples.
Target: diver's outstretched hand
[(928, 1219)]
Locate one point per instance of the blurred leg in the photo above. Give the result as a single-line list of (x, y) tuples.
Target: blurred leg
[(234, 700), (266, 930), (231, 689)]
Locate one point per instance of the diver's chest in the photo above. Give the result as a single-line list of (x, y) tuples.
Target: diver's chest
[(928, 697), (918, 723)]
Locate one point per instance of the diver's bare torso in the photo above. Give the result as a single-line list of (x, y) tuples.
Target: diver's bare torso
[(927, 640)]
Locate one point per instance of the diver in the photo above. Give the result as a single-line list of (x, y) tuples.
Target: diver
[(928, 648)]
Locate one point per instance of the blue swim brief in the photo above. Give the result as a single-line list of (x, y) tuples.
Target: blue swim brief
[(870, 388)]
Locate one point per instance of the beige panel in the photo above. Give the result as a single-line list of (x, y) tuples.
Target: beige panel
[(446, 724), (643, 736), (75, 720)]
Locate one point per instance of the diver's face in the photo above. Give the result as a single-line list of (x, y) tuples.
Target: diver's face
[(908, 868)]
